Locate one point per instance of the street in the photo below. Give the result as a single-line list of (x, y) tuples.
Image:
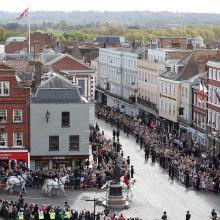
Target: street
[(153, 191)]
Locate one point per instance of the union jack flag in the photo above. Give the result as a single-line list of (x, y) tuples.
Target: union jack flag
[(23, 14)]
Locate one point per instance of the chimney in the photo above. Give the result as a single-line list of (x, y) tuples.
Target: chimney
[(37, 49), (38, 73)]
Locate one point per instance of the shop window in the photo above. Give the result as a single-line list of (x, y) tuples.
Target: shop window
[(3, 115), (3, 139), (65, 119), (4, 88), (18, 138), (17, 115), (53, 142), (41, 165), (74, 142)]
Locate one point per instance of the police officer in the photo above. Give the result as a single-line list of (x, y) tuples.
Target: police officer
[(52, 214), (118, 134), (132, 171), (164, 216), (146, 152), (41, 214), (113, 133), (21, 215), (188, 215)]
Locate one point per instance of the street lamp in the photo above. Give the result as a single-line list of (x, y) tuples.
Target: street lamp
[(95, 203)]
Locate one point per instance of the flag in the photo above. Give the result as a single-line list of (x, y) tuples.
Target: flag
[(23, 14), (201, 96), (217, 95)]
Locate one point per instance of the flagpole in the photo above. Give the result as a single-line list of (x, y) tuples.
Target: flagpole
[(29, 30)]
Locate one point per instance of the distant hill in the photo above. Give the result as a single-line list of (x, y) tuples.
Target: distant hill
[(132, 18)]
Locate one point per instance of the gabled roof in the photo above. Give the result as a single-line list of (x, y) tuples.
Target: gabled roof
[(73, 59), (57, 81), (57, 89)]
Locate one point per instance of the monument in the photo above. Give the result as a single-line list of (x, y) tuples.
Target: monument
[(115, 198)]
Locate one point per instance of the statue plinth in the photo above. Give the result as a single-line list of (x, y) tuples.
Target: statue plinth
[(115, 198)]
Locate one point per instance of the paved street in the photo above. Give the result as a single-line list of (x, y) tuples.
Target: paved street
[(153, 191)]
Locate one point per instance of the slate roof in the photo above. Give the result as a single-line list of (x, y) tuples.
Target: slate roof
[(110, 39), (57, 95), (57, 89)]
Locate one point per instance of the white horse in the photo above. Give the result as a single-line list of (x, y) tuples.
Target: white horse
[(58, 184), (19, 181)]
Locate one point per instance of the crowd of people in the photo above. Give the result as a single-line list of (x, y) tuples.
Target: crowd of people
[(19, 210), (192, 163)]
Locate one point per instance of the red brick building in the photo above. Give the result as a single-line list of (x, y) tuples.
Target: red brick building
[(14, 118), (38, 41), (173, 42)]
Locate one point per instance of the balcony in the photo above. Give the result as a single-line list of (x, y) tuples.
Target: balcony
[(183, 121), (147, 104), (130, 101)]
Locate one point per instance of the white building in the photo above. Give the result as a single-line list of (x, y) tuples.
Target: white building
[(118, 78)]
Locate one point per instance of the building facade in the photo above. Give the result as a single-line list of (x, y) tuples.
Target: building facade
[(213, 123), (14, 118), (79, 72), (147, 100), (59, 125), (118, 78)]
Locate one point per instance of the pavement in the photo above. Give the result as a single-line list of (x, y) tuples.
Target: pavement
[(153, 191)]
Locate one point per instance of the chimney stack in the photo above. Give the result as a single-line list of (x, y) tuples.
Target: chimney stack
[(37, 49), (38, 73)]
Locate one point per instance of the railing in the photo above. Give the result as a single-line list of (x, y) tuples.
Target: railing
[(130, 101), (147, 103)]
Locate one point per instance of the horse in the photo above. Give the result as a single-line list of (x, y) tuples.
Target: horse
[(57, 184), (13, 181)]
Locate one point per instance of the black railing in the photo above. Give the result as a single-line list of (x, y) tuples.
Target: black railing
[(130, 101), (147, 103)]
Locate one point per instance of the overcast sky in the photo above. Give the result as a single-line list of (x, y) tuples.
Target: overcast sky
[(212, 6)]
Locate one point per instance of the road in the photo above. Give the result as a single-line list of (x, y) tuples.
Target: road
[(153, 191)]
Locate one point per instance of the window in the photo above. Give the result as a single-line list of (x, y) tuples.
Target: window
[(81, 83), (3, 139), (18, 138), (53, 142), (186, 93), (3, 115), (174, 109), (65, 119), (17, 115), (4, 88), (74, 142)]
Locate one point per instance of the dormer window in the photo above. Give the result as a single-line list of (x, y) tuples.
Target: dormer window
[(4, 88)]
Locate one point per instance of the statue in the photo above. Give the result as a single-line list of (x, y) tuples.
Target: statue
[(116, 173)]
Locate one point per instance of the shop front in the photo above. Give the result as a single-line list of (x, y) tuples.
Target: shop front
[(197, 136), (57, 162), (11, 158)]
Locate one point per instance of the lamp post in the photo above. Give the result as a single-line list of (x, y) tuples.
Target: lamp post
[(93, 200)]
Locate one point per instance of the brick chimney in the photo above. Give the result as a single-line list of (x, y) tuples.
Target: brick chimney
[(37, 49), (38, 73)]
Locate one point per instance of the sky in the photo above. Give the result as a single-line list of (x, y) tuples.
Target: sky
[(210, 6)]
